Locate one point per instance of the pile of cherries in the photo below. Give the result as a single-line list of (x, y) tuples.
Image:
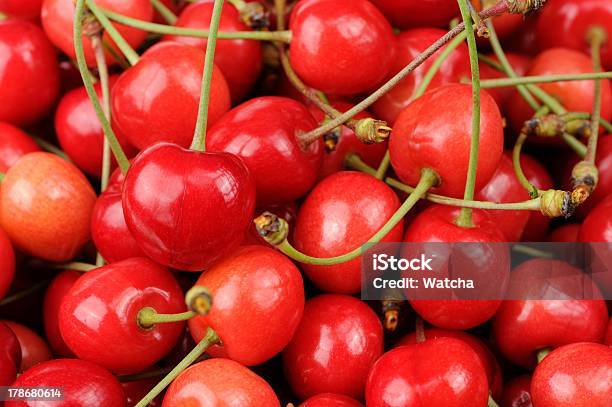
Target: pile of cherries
[(109, 284)]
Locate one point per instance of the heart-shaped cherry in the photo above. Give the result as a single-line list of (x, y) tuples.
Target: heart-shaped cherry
[(33, 348), (185, 208), (10, 355), (330, 400), (517, 392), (7, 264), (415, 13), (25, 9), (597, 227), (14, 144), (57, 290)]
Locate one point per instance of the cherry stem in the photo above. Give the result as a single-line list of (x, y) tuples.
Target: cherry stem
[(280, 7), (542, 353), (518, 169), (209, 339), (22, 294), (532, 251), (491, 402), (164, 11), (524, 80), (45, 145), (381, 171), (584, 116), (3, 16), (574, 144), (120, 156), (1, 176), (420, 330), (96, 43), (596, 36), (148, 317), (76, 266)]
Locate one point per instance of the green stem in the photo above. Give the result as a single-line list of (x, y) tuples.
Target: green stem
[(280, 7), (491, 402), (542, 353), (199, 136), (504, 82), (210, 338), (45, 145), (574, 144), (1, 176), (596, 37), (96, 43), (164, 11), (147, 317), (76, 266), (383, 166), (532, 251), (465, 217), (585, 115), (518, 169), (22, 294)]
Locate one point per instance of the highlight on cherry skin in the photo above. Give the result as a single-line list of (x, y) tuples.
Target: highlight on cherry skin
[(191, 192)]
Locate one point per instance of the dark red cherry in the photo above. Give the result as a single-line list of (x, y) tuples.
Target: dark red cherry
[(263, 132), (219, 382), (263, 290), (517, 392), (286, 211), (98, 316), (522, 327), (57, 290), (146, 98), (597, 227), (576, 375), (29, 82), (608, 338), (537, 174), (57, 19), (330, 400), (336, 344), (25, 9), (239, 60), (7, 264), (409, 45), (83, 384), (564, 233), (604, 183), (135, 390), (340, 214), (185, 208), (330, 37), (415, 13), (14, 144), (434, 132), (437, 372), (33, 348), (10, 355)]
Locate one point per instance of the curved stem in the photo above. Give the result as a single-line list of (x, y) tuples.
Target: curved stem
[(199, 136), (518, 169), (45, 145), (22, 294), (76, 266), (381, 171), (164, 11), (525, 80), (574, 144), (210, 338), (596, 37), (585, 115), (147, 317)]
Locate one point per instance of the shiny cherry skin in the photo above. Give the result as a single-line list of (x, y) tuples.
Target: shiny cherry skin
[(437, 372), (597, 227), (137, 389), (522, 327), (7, 264), (84, 383), (576, 375), (409, 45), (330, 400), (14, 143), (10, 355), (45, 206), (517, 392), (145, 97), (434, 132), (564, 233), (57, 19), (330, 37), (191, 189), (98, 316), (494, 374), (608, 338), (263, 290), (604, 183), (57, 290), (572, 20), (323, 358), (25, 9), (29, 82), (239, 60), (263, 132), (33, 348), (340, 214), (537, 174), (415, 13), (219, 382)]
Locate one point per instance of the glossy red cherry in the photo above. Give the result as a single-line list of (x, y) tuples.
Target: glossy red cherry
[(26, 9), (537, 174), (604, 183), (608, 338), (340, 214), (57, 19), (83, 383), (45, 206), (263, 132), (597, 227), (409, 45), (7, 264), (207, 201), (330, 37), (263, 290), (146, 96), (434, 132), (576, 375), (330, 400), (239, 60), (99, 315), (219, 382), (437, 372), (336, 344), (415, 13), (14, 144), (29, 82), (564, 233), (522, 327), (517, 392), (10, 355), (33, 348), (57, 290)]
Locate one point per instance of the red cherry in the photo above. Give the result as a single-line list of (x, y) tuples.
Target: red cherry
[(519, 63), (597, 227), (10, 355), (25, 9), (517, 392), (409, 45), (438, 372), (522, 41), (57, 290), (439, 138), (239, 60), (340, 214), (146, 96), (45, 206), (29, 82), (135, 390), (522, 327), (576, 375), (330, 400), (83, 384), (263, 290), (263, 132), (336, 344), (7, 264), (572, 20), (537, 224), (14, 144), (219, 382), (415, 13), (207, 201), (57, 19), (564, 233), (33, 348), (98, 316), (608, 338), (330, 37)]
